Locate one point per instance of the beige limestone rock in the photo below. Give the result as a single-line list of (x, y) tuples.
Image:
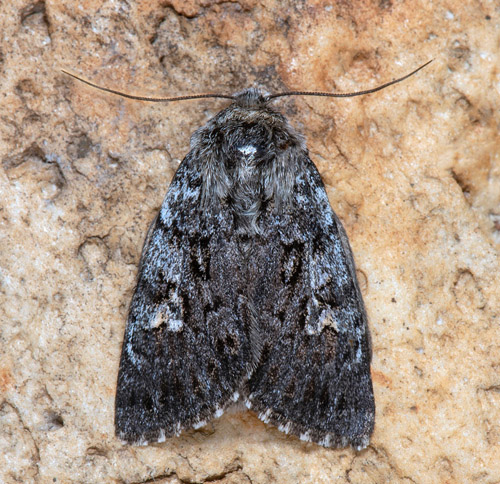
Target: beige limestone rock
[(413, 171)]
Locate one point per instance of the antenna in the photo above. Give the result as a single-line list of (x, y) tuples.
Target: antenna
[(146, 98), (232, 97), (346, 94)]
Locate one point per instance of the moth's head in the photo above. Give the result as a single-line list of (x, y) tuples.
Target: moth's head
[(250, 98), (249, 128)]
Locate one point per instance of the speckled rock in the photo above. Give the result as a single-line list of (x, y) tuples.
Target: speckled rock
[(413, 171)]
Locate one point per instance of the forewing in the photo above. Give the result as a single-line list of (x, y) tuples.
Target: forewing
[(185, 351), (313, 379)]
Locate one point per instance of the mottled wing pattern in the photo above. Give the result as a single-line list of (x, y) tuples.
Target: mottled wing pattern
[(187, 346), (313, 379)]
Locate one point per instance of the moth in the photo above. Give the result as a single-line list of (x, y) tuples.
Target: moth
[(247, 290)]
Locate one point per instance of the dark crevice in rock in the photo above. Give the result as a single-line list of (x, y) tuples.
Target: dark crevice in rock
[(462, 183)]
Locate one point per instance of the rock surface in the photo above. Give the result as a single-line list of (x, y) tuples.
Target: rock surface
[(413, 171)]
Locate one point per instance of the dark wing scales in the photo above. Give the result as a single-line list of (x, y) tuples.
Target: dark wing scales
[(186, 348), (313, 379)]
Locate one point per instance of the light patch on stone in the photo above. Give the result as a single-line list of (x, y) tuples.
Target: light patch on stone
[(305, 437), (218, 412)]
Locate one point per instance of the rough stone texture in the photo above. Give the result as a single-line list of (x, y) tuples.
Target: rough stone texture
[(413, 171)]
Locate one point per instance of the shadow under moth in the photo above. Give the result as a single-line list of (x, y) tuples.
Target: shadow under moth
[(247, 291)]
